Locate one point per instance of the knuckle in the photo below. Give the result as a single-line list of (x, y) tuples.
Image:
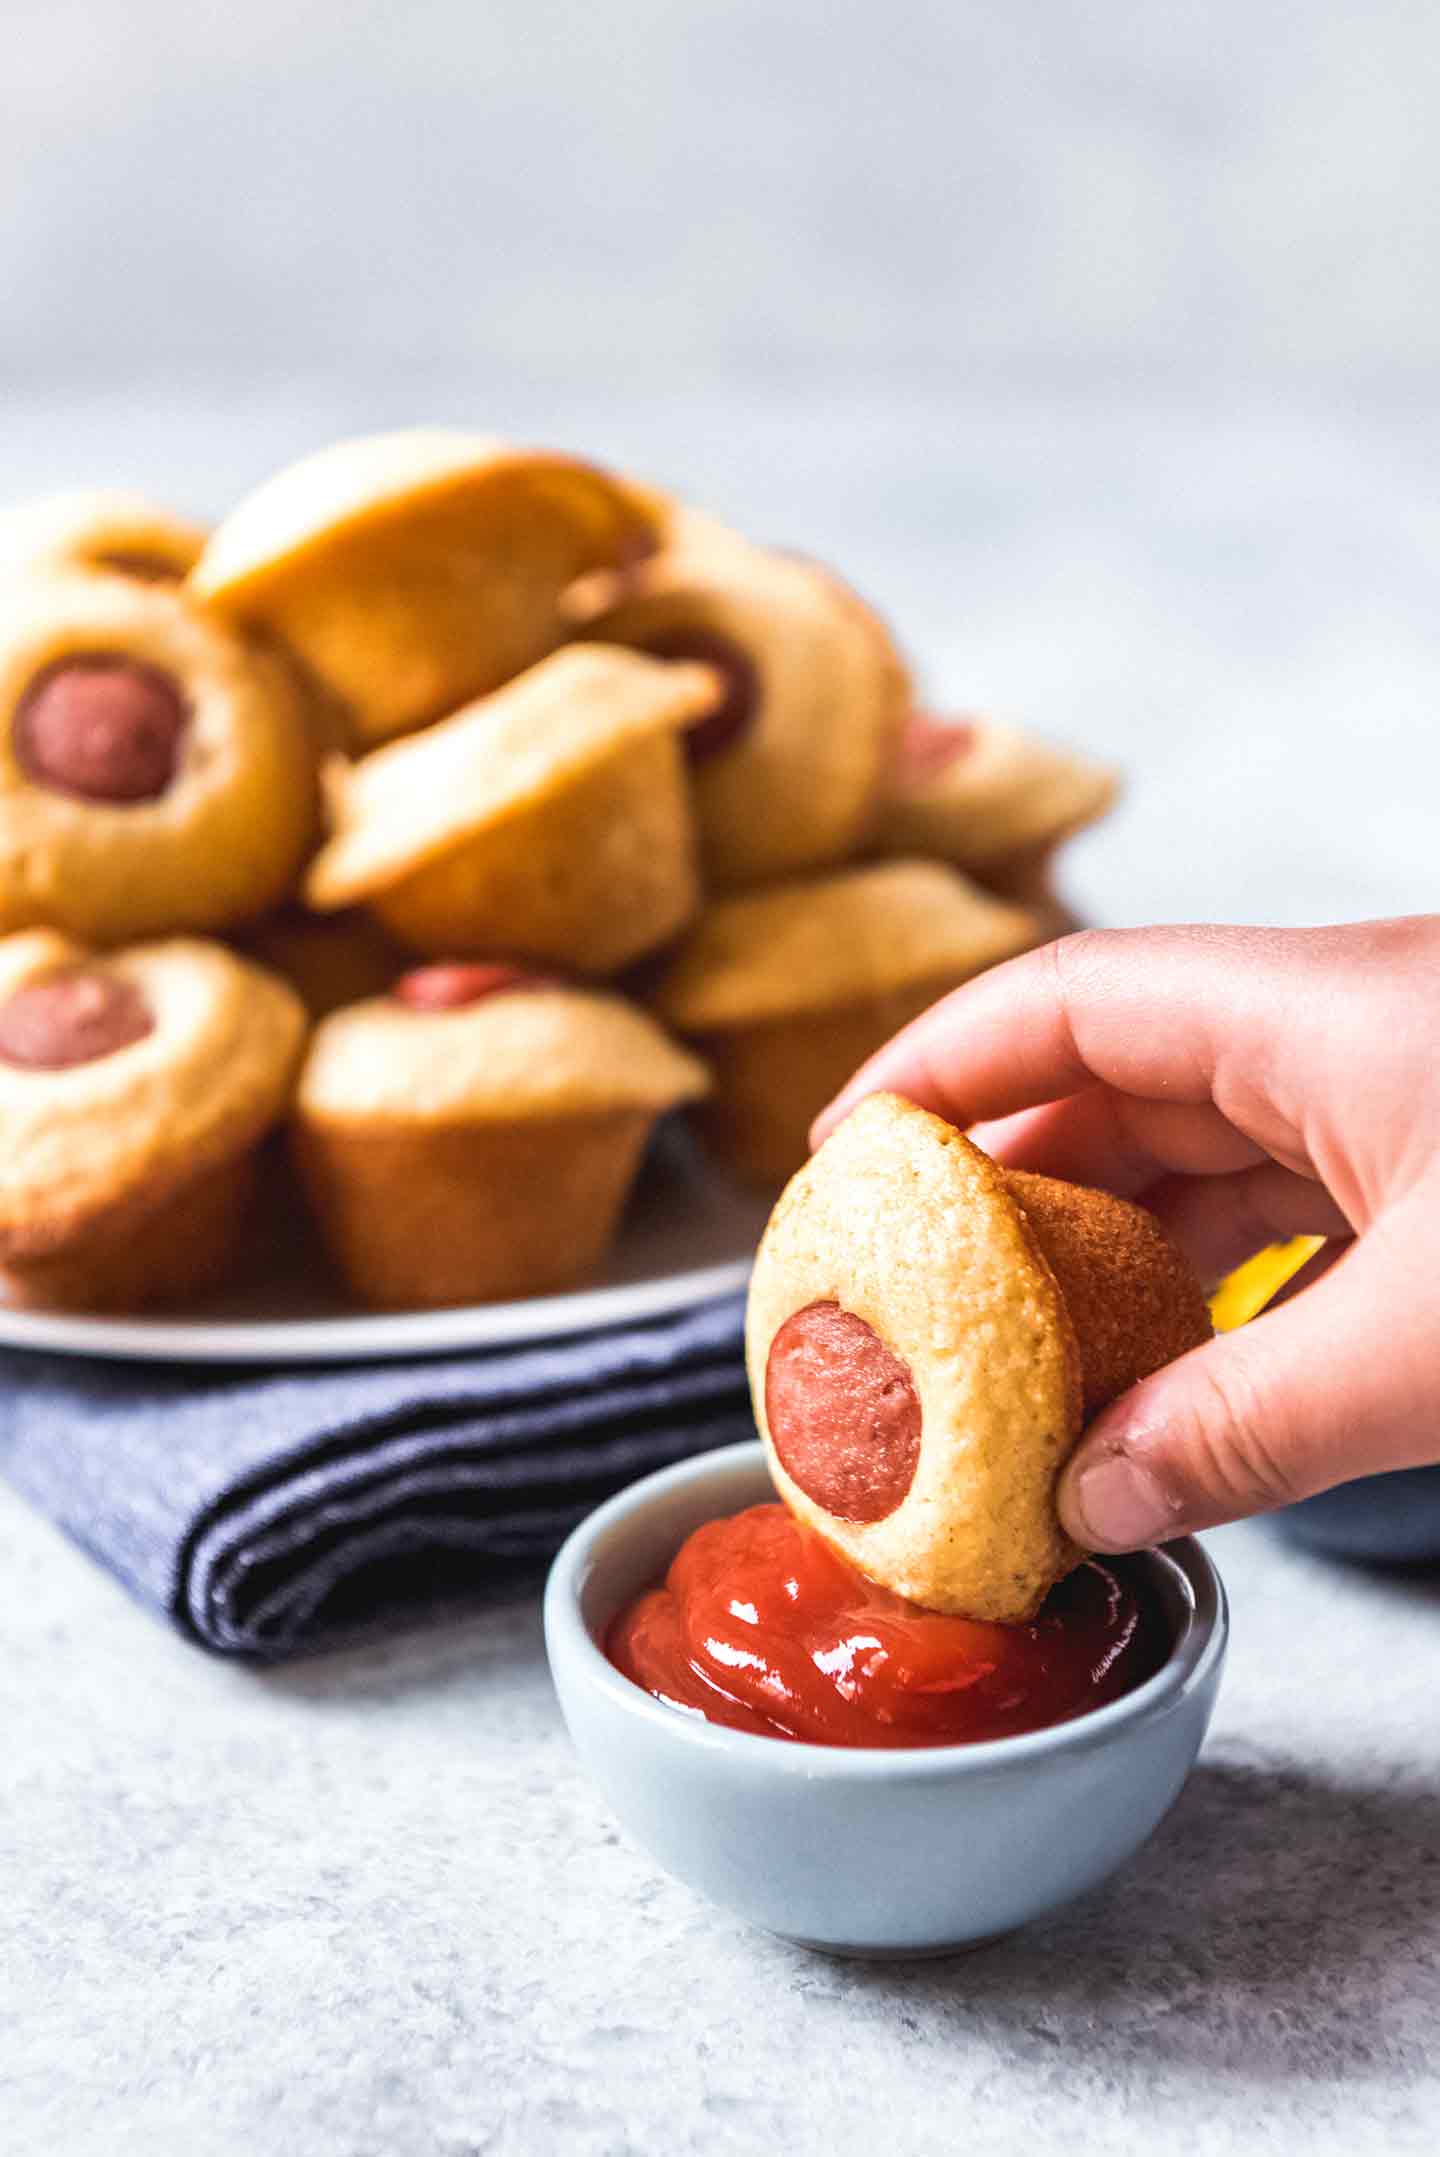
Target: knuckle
[(1078, 964), (1074, 957)]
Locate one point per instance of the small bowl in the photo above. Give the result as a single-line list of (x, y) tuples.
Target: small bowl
[(865, 1851)]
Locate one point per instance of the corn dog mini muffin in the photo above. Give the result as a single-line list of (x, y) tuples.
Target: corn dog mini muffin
[(157, 772), (551, 819), (785, 992), (134, 1088), (474, 1134), (995, 801), (788, 768), (414, 571), (927, 1335), (105, 530)]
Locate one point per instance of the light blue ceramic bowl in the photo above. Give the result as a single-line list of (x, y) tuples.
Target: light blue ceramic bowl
[(868, 1852)]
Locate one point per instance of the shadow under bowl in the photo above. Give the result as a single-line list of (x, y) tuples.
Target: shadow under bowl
[(866, 1851)]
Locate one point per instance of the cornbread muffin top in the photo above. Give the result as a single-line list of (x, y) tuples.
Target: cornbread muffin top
[(100, 529), (367, 483), (825, 941), (978, 792), (410, 802), (524, 1047), (206, 1047)]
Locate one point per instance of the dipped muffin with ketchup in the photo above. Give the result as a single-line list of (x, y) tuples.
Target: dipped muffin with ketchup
[(927, 1336)]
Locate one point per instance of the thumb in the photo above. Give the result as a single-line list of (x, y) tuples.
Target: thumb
[(1343, 1381)]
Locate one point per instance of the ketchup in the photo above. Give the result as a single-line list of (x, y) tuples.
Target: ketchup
[(759, 1625)]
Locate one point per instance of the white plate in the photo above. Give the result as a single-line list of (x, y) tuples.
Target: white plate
[(687, 1235)]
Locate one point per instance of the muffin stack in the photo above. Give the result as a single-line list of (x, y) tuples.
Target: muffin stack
[(530, 806)]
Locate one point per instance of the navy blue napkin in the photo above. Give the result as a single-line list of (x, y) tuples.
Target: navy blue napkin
[(269, 1511)]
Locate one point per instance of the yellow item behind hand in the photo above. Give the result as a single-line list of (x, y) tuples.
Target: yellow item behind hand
[(1243, 1294)]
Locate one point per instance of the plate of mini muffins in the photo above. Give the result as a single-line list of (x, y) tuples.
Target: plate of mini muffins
[(435, 902)]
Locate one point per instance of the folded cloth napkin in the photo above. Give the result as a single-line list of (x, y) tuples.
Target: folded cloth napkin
[(267, 1511)]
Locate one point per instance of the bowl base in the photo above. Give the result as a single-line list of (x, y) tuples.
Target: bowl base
[(941, 1953)]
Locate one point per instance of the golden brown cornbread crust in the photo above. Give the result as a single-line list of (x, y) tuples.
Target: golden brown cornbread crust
[(405, 805), (456, 1156), (465, 1212), (842, 939), (1133, 1300), (99, 529), (683, 535), (900, 1220), (519, 1054), (1006, 795), (801, 786), (226, 837), (415, 570), (82, 1148)]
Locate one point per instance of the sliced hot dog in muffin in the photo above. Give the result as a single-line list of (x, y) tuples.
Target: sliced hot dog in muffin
[(157, 770), (788, 768), (928, 1334), (135, 1087)]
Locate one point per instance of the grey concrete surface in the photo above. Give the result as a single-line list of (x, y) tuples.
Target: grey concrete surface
[(370, 1907)]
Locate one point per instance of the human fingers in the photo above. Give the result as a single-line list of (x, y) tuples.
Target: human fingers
[(1220, 1221), (1342, 1381), (1117, 1143), (1157, 1013)]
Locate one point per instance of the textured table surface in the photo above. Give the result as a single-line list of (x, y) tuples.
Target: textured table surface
[(370, 1905)]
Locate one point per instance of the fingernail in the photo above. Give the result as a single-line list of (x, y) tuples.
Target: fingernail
[(1115, 1504)]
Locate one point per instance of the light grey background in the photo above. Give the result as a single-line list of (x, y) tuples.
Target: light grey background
[(939, 190), (1100, 344)]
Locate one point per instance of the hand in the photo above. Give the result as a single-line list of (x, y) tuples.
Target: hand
[(1245, 1085)]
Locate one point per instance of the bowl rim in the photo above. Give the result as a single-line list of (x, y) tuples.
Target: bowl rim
[(1199, 1646)]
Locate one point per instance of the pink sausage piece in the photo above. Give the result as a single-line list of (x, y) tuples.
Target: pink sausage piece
[(73, 1017), (455, 984), (103, 729), (843, 1413), (930, 745)]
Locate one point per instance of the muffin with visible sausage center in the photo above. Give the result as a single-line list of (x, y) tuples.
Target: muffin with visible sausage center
[(927, 1335), (135, 1086), (788, 767), (474, 1134), (157, 771)]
